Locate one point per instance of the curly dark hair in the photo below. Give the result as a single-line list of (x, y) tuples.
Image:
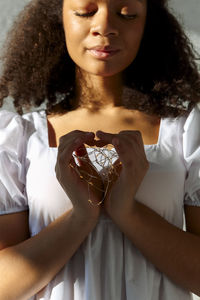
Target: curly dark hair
[(163, 79)]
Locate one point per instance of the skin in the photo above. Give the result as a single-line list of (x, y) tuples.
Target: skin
[(115, 23), (70, 179), (103, 27), (106, 26)]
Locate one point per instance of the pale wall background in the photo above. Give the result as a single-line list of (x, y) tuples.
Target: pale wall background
[(187, 11)]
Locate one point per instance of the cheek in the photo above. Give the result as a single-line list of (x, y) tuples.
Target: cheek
[(74, 32), (134, 37)]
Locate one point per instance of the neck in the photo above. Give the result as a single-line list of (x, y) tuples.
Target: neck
[(96, 92)]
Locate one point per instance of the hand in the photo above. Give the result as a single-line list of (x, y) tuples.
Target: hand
[(73, 178), (130, 170)]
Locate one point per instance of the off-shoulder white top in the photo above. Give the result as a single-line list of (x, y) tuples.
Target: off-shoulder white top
[(107, 266)]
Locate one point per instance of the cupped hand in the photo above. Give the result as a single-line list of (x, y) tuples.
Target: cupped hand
[(129, 171), (77, 184)]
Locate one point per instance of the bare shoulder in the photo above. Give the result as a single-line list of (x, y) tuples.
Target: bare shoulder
[(192, 217), (14, 229)]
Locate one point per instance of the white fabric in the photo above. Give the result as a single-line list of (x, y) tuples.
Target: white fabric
[(192, 158), (12, 172), (107, 265)]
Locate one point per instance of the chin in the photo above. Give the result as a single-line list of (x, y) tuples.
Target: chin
[(104, 72), (106, 69)]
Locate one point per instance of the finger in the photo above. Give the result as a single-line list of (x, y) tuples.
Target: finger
[(88, 137), (127, 138), (127, 152), (117, 165), (125, 133), (105, 137), (101, 143), (81, 151), (115, 170), (76, 137), (82, 155), (86, 168), (129, 132), (109, 138), (134, 135), (69, 143)]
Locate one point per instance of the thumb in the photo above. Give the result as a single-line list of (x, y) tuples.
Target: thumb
[(82, 155), (85, 165), (86, 168), (116, 170)]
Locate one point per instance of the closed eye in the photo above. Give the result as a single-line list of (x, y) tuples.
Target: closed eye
[(85, 15), (127, 17), (90, 14)]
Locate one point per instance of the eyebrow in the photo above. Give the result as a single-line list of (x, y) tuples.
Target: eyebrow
[(119, 1)]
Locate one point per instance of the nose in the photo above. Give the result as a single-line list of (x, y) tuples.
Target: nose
[(104, 24)]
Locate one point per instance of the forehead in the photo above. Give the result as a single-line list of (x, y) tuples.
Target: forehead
[(139, 5)]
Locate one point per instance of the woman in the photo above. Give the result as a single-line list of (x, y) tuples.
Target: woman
[(126, 72)]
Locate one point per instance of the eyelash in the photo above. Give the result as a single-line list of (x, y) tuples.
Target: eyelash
[(88, 15)]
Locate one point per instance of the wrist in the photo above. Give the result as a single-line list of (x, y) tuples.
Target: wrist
[(85, 217), (123, 214)]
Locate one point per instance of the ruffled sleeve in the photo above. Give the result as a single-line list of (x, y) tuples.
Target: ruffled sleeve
[(191, 151), (12, 170)]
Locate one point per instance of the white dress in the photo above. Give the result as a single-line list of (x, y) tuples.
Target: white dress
[(107, 266)]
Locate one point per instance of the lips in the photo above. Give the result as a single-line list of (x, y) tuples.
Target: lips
[(103, 51), (103, 48)]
